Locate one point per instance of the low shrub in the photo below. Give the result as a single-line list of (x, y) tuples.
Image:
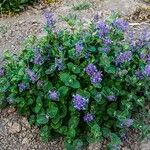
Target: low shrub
[(14, 5), (84, 84)]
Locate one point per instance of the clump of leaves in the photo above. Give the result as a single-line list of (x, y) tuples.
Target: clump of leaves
[(49, 1), (82, 84), (81, 6), (14, 5)]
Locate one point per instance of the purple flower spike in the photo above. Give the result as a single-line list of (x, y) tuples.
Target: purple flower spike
[(147, 70), (49, 18), (53, 95), (103, 29), (123, 57), (107, 41), (58, 64), (33, 77), (121, 24), (91, 69), (38, 59), (127, 122), (2, 72), (97, 77), (79, 102), (22, 87), (88, 117), (111, 98), (79, 47)]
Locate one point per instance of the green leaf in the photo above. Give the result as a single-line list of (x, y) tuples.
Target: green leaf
[(32, 119), (57, 125), (115, 140), (71, 53), (73, 122), (52, 110), (42, 119), (45, 133), (111, 112), (106, 132), (74, 68), (96, 131), (50, 70), (38, 106), (78, 144), (72, 133), (62, 130), (92, 49), (140, 101), (69, 80), (63, 91), (47, 85), (84, 93)]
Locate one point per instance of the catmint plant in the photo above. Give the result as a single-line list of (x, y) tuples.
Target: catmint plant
[(82, 83)]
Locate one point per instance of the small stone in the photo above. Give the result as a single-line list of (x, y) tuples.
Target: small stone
[(9, 124), (25, 141), (95, 146), (26, 123), (15, 128)]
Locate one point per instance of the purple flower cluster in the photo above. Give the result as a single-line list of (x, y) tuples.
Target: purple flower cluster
[(111, 98), (139, 74), (147, 70), (121, 24), (127, 122), (79, 102), (2, 72), (145, 57), (95, 75), (88, 117), (79, 47), (22, 87), (107, 41), (123, 57), (49, 18), (38, 59), (33, 77), (91, 69), (103, 29), (58, 64), (53, 95), (142, 40)]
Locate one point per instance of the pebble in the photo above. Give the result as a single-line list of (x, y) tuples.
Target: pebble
[(25, 141), (15, 128)]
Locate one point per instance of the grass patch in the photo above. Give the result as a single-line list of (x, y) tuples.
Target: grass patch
[(81, 6)]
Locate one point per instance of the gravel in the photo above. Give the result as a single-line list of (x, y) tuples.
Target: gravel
[(15, 131)]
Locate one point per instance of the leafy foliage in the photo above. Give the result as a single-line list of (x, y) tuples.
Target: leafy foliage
[(14, 5), (84, 85), (81, 6)]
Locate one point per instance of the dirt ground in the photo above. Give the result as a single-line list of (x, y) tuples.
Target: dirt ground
[(15, 132)]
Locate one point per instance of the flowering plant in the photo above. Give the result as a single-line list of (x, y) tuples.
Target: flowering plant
[(83, 84)]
